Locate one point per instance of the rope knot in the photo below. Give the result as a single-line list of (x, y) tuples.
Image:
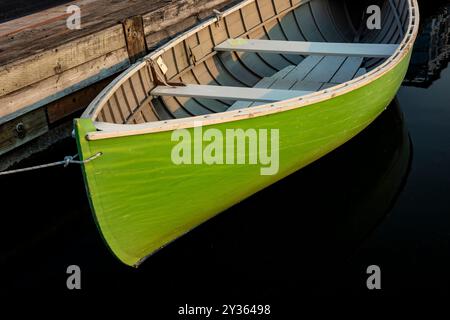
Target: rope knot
[(67, 161)]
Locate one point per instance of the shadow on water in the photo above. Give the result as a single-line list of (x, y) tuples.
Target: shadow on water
[(412, 246), (270, 243)]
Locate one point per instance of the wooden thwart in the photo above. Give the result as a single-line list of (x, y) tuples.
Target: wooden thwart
[(309, 48), (228, 93)]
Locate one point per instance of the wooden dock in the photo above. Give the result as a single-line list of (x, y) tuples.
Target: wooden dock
[(48, 72)]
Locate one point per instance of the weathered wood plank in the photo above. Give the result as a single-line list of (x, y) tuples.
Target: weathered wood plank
[(135, 37), (58, 86), (22, 130), (47, 29), (53, 62), (177, 16), (74, 102)]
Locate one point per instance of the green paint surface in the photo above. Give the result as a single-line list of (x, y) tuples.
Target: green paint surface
[(142, 201)]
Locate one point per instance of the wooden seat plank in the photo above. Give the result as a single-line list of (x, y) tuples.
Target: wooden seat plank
[(228, 93), (264, 83), (369, 50)]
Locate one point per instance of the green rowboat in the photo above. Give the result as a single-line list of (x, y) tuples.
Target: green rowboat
[(226, 109)]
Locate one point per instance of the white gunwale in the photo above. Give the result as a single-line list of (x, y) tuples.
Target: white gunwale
[(110, 130)]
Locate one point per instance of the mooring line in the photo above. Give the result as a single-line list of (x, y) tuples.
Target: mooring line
[(66, 162)]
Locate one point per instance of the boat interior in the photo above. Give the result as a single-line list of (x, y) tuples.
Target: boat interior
[(255, 53)]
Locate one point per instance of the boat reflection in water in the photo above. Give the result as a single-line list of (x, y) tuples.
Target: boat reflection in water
[(431, 50), (311, 222), (294, 233)]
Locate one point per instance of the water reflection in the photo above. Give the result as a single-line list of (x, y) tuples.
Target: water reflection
[(294, 235), (315, 219), (311, 219), (432, 50)]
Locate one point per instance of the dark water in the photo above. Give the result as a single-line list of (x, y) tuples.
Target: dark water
[(383, 199)]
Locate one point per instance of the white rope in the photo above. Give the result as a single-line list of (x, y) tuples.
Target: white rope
[(66, 162)]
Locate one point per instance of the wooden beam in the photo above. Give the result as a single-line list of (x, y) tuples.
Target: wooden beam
[(368, 50), (228, 93), (177, 16), (22, 130), (135, 37), (74, 102), (55, 87), (21, 73)]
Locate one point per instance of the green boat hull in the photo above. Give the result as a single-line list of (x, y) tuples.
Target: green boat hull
[(142, 201)]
